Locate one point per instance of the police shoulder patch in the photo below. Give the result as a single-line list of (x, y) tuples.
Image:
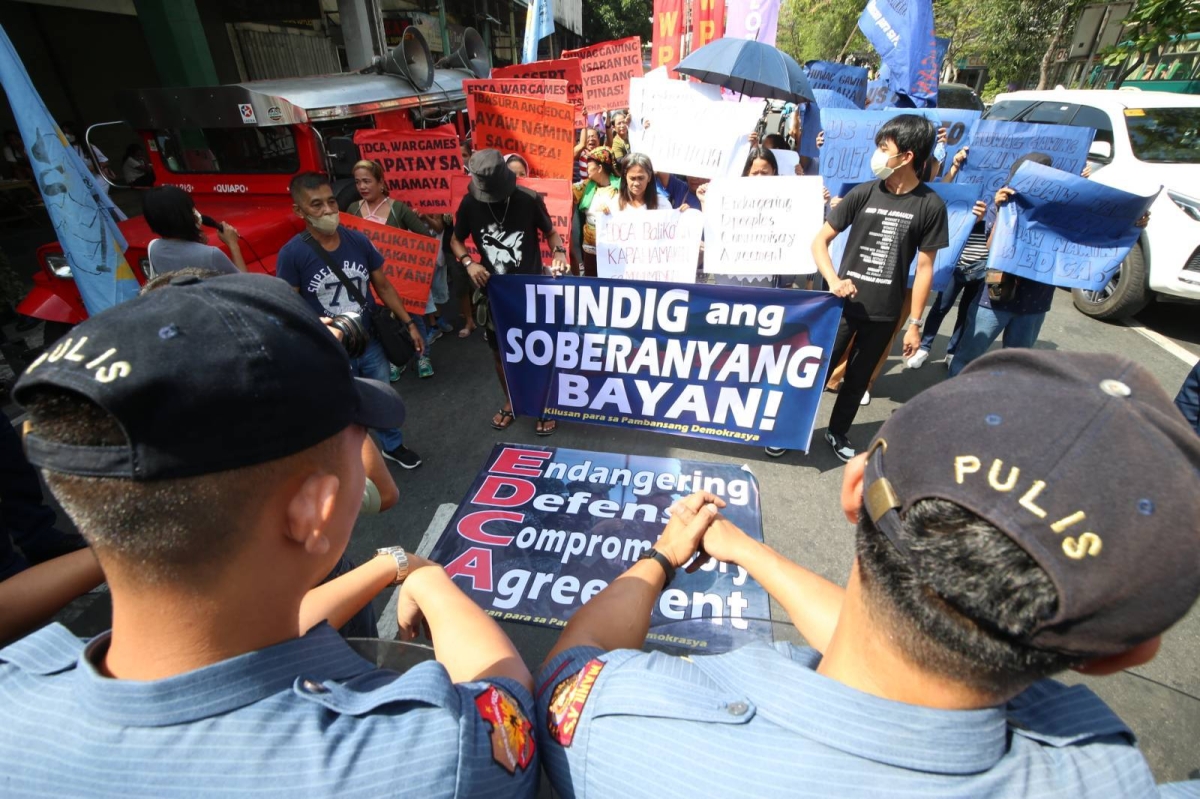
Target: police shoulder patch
[(512, 734), (567, 701)]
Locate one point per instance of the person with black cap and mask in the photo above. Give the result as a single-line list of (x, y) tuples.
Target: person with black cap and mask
[(504, 220)]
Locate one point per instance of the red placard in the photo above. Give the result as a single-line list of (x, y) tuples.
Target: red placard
[(540, 131), (668, 30), (537, 89), (607, 69), (417, 164), (708, 22), (559, 69), (556, 193), (409, 259)]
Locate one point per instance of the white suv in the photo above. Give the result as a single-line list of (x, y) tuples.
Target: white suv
[(1143, 140)]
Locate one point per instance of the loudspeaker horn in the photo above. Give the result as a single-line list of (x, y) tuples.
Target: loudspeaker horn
[(472, 56), (411, 60)]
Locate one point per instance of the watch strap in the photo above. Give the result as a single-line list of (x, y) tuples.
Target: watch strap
[(668, 569), (401, 557)]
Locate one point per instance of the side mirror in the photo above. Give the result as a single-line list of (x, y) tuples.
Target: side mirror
[(1101, 151)]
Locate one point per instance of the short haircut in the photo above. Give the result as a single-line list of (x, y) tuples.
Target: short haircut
[(1036, 158), (961, 605), (775, 141), (912, 133), (760, 154), (306, 181), (179, 530), (159, 281), (640, 159), (374, 168), (170, 212)]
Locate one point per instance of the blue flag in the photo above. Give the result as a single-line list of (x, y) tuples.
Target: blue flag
[(82, 215), (902, 33), (1065, 230), (539, 23)]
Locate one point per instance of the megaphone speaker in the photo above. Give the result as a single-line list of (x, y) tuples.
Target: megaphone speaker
[(411, 60), (472, 56)]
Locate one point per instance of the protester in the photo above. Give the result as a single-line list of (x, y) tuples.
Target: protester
[(636, 176), (985, 563), (305, 263), (589, 139), (135, 168), (222, 532), (620, 136), (760, 163), (599, 189), (518, 165), (97, 162), (894, 219), (1188, 398), (171, 214), (504, 220), (673, 192)]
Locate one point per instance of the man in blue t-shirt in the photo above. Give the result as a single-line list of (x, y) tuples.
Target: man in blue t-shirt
[(308, 273)]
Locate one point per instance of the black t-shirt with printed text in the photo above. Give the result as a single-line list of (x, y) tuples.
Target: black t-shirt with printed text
[(886, 231), (506, 234)]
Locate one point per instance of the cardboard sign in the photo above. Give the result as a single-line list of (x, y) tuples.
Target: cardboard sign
[(409, 259), (731, 364), (762, 225), (556, 193), (651, 99), (555, 90), (680, 146), (417, 164), (559, 69), (540, 131), (543, 530), (649, 245), (607, 69)]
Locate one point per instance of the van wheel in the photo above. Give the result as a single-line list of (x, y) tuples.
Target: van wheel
[(1123, 296)]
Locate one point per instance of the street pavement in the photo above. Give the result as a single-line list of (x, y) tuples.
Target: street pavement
[(449, 424)]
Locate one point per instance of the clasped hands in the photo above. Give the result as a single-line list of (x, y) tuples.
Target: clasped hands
[(697, 526)]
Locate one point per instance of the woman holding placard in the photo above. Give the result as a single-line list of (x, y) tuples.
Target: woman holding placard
[(760, 162), (590, 196)]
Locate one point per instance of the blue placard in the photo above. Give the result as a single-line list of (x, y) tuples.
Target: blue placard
[(850, 140), (901, 31), (1065, 230), (848, 81), (741, 365), (959, 123), (810, 124), (544, 529)]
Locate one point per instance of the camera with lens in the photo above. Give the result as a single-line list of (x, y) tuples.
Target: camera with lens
[(354, 335)]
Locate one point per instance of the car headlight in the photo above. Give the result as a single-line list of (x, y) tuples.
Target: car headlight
[(59, 266), (1189, 205)]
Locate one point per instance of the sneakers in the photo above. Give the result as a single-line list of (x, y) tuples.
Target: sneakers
[(444, 326), (395, 371), (949, 360), (842, 447), (433, 335), (776, 452), (424, 367), (917, 360), (403, 456), (866, 400)]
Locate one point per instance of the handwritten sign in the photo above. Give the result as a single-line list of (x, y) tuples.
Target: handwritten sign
[(649, 245), (848, 81), (555, 193), (558, 69), (1065, 230), (958, 122), (537, 89), (607, 69), (417, 165), (540, 131), (850, 141), (762, 226), (651, 99), (409, 259), (680, 146)]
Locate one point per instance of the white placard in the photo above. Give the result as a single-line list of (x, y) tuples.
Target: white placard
[(698, 140), (787, 160), (762, 225), (658, 98), (649, 245)]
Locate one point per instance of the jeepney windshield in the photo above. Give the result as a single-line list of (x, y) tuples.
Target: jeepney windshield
[(266, 150)]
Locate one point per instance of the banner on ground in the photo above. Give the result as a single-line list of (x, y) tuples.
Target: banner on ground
[(850, 141), (651, 99), (848, 81), (901, 31), (668, 33), (662, 246), (540, 131), (543, 530), (757, 20), (534, 88), (1065, 230), (786, 160), (607, 69), (708, 22), (726, 364), (681, 146), (417, 164), (409, 260), (558, 69), (762, 225), (555, 193)]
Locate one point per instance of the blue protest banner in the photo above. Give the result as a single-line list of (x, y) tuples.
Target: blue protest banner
[(879, 91), (742, 365), (958, 123), (848, 81), (901, 31), (83, 216), (942, 47), (1065, 230), (810, 122), (543, 530), (850, 140)]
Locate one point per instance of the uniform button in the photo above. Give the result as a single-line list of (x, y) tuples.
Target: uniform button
[(1115, 388), (737, 708), (314, 687)]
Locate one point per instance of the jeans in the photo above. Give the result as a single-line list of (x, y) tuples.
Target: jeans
[(373, 364), (941, 309), (871, 341), (984, 325)]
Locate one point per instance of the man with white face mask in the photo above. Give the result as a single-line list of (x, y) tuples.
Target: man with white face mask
[(891, 220), (307, 272)]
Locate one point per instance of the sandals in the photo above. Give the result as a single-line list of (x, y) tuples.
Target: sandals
[(541, 426), (506, 420)]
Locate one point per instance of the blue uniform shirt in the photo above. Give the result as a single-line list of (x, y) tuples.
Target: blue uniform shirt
[(759, 721), (304, 718)]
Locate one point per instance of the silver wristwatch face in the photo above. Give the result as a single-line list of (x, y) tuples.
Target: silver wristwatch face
[(401, 558)]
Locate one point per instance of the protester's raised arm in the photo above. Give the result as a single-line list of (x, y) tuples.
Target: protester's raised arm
[(339, 599), (30, 598)]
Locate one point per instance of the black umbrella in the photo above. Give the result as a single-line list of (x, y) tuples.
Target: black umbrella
[(750, 68)]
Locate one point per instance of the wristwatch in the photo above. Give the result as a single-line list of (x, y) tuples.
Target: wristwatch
[(560, 249), (920, 323), (654, 554), (465, 260), (401, 559)]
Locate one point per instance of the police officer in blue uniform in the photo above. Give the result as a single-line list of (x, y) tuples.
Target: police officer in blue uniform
[(1050, 524), (206, 441)]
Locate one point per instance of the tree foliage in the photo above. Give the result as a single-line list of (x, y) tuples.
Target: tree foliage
[(1151, 26), (605, 20)]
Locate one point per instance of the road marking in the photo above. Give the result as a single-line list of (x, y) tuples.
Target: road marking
[(387, 626), (1167, 344)]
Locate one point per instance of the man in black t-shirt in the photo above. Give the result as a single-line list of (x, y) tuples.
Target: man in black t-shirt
[(504, 220), (891, 220)]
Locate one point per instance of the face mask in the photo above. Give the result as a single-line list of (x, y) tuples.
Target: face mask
[(879, 165), (324, 224)]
